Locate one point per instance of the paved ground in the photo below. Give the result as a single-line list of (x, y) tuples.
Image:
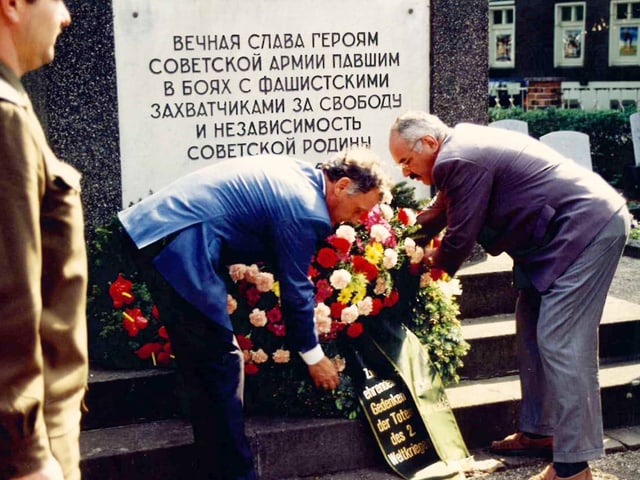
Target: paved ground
[(626, 283)]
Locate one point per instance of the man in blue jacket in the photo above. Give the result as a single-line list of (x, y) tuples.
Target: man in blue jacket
[(264, 208), (565, 229)]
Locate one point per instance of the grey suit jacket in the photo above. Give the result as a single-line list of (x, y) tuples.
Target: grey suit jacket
[(513, 194)]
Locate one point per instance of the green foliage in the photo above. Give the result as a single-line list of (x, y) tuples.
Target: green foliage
[(110, 345), (635, 230), (609, 133)]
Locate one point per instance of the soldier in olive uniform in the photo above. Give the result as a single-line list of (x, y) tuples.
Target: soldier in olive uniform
[(43, 266)]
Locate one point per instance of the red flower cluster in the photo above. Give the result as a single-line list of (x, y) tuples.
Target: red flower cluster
[(134, 321), (159, 352)]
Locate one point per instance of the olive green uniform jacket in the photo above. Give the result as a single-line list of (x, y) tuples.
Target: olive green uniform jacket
[(43, 282)]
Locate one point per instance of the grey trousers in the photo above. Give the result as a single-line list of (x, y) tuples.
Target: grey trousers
[(557, 342)]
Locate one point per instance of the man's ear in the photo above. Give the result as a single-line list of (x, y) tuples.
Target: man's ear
[(10, 10), (430, 142), (342, 185)]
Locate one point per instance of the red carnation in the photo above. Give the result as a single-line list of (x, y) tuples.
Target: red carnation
[(376, 307), (362, 265), (251, 368), (415, 269), (278, 329), (336, 309), (253, 296), (327, 257), (274, 315), (355, 330), (155, 312), (392, 299), (245, 343), (323, 290), (120, 292), (436, 273), (342, 245), (403, 216), (313, 272)]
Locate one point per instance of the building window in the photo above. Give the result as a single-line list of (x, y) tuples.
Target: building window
[(623, 34), (569, 34), (502, 34)]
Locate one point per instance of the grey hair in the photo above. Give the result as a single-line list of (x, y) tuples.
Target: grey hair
[(362, 166), (413, 125)]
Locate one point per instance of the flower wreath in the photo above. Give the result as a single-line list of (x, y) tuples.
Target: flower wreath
[(366, 273)]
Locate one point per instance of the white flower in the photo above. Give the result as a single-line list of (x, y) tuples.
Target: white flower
[(264, 281), (251, 273), (340, 279), (387, 197), (259, 356), (232, 304), (417, 255), (386, 211), (379, 233), (323, 318), (450, 288), (258, 318), (390, 258), (236, 271), (281, 356), (409, 246), (349, 314), (347, 232), (365, 306)]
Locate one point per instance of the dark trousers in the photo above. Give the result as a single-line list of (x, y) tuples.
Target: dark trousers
[(211, 367)]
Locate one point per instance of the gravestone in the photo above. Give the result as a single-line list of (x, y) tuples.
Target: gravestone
[(77, 95), (511, 124), (573, 145), (634, 120), (631, 173)]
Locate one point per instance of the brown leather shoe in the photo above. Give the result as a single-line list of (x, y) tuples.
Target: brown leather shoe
[(549, 473), (520, 444)]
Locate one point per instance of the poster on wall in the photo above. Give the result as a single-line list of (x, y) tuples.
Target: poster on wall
[(503, 48), (200, 81), (572, 43), (628, 41)]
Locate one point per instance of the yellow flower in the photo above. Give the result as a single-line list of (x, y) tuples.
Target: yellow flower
[(374, 252)]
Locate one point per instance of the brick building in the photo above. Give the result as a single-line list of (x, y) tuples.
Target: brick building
[(573, 54)]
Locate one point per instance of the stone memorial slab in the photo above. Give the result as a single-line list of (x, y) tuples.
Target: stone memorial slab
[(203, 81)]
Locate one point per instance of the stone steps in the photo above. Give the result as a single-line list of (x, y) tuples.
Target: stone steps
[(161, 448), (134, 427)]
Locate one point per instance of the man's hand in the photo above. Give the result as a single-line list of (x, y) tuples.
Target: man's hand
[(324, 374), (50, 471), (428, 256)]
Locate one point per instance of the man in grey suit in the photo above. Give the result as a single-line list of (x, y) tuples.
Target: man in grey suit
[(565, 229)]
